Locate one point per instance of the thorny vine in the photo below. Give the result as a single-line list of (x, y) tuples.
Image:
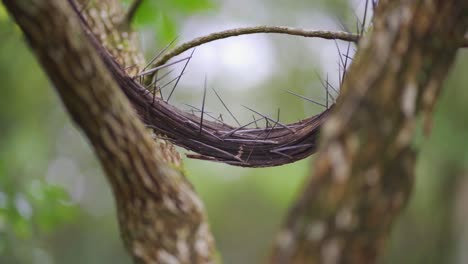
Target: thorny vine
[(273, 145)]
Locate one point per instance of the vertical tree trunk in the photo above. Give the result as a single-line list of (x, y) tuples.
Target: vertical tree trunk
[(161, 218), (365, 169)]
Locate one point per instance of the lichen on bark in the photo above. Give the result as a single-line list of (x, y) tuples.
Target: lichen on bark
[(364, 172), (161, 218)]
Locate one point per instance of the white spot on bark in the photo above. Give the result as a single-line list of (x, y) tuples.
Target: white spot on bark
[(189, 199), (316, 231), (182, 246), (430, 92), (405, 134), (240, 152), (285, 239), (372, 176), (408, 100), (331, 252), (203, 240), (352, 144), (104, 15), (170, 204), (339, 163), (165, 257), (344, 218), (332, 126)]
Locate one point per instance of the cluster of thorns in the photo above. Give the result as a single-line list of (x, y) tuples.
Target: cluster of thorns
[(246, 145)]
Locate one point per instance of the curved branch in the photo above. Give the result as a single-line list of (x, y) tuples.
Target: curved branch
[(338, 35)]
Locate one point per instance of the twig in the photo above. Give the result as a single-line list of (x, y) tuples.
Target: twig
[(336, 35), (254, 30)]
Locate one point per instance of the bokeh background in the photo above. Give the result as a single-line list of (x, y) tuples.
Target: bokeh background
[(56, 207)]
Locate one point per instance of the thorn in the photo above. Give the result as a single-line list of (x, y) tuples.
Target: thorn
[(358, 31), (339, 54), (161, 67), (160, 53), (326, 95), (345, 64), (154, 89), (256, 125), (266, 117), (281, 154), (326, 85), (225, 106), (217, 149), (273, 127), (251, 140), (160, 78), (331, 86), (180, 76), (241, 127), (293, 147), (203, 106), (343, 26), (166, 84), (267, 124), (307, 99), (363, 25), (347, 56), (198, 110)]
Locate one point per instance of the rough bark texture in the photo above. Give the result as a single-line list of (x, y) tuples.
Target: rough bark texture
[(365, 169), (108, 22), (161, 218)]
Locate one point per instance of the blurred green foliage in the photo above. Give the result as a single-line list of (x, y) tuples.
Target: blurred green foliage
[(28, 205), (163, 16)]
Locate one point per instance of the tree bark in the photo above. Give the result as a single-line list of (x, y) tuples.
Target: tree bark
[(161, 218), (364, 173)]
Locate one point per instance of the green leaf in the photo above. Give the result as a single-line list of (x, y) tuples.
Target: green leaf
[(3, 13), (166, 29), (162, 15)]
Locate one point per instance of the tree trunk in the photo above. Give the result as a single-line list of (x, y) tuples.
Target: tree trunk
[(161, 218), (364, 173)]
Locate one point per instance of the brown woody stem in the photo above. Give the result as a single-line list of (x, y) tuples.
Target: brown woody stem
[(364, 172)]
